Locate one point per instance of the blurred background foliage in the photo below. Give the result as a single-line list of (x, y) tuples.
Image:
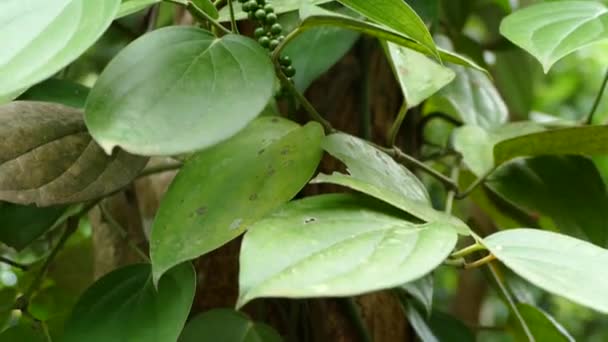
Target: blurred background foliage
[(564, 95)]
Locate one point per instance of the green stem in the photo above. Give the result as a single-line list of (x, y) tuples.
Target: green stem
[(310, 109), (13, 263), (352, 310), (233, 25), (480, 262), (71, 227), (468, 250), (122, 232), (449, 201), (394, 131), (160, 169), (510, 301), (199, 14), (406, 159), (475, 184), (598, 99)]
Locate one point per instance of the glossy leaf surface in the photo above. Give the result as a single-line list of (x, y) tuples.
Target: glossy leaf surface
[(338, 245), (179, 89), (40, 37), (270, 161)]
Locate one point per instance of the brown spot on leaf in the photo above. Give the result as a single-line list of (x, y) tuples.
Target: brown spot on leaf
[(201, 211), (253, 197)]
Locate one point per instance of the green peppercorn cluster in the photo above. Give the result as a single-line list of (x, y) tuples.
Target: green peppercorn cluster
[(269, 32)]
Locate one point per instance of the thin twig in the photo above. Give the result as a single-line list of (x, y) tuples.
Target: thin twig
[(396, 126), (13, 263), (71, 227), (510, 301), (160, 169), (480, 262), (123, 233), (449, 200), (598, 99), (200, 15), (233, 25), (310, 109)]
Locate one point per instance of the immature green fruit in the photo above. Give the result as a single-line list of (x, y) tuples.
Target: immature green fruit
[(285, 61), (260, 14), (273, 44), (289, 71), (261, 2), (281, 38), (276, 29), (250, 6), (271, 18), (259, 32), (264, 41), (268, 8)]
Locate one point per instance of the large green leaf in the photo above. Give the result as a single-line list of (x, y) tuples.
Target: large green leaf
[(542, 326), (337, 245), (128, 7), (57, 91), (473, 98), (476, 144), (448, 328), (22, 333), (251, 175), (562, 265), (229, 326), (585, 140), (418, 76), (316, 50), (313, 16), (20, 225), (179, 89), (48, 158), (125, 306), (375, 173), (567, 189), (550, 31), (401, 18), (282, 6), (40, 37)]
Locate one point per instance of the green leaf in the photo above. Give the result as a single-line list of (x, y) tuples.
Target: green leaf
[(282, 6), (313, 16), (567, 189), (129, 7), (551, 31), (208, 7), (227, 325), (422, 291), (418, 76), (62, 163), (559, 264), (20, 225), (473, 98), (402, 19), (40, 37), (476, 144), (179, 89), (125, 306), (269, 162), (316, 50), (542, 326), (337, 245), (57, 91), (22, 333), (375, 173), (449, 329), (584, 140), (419, 324), (8, 297), (427, 9)]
